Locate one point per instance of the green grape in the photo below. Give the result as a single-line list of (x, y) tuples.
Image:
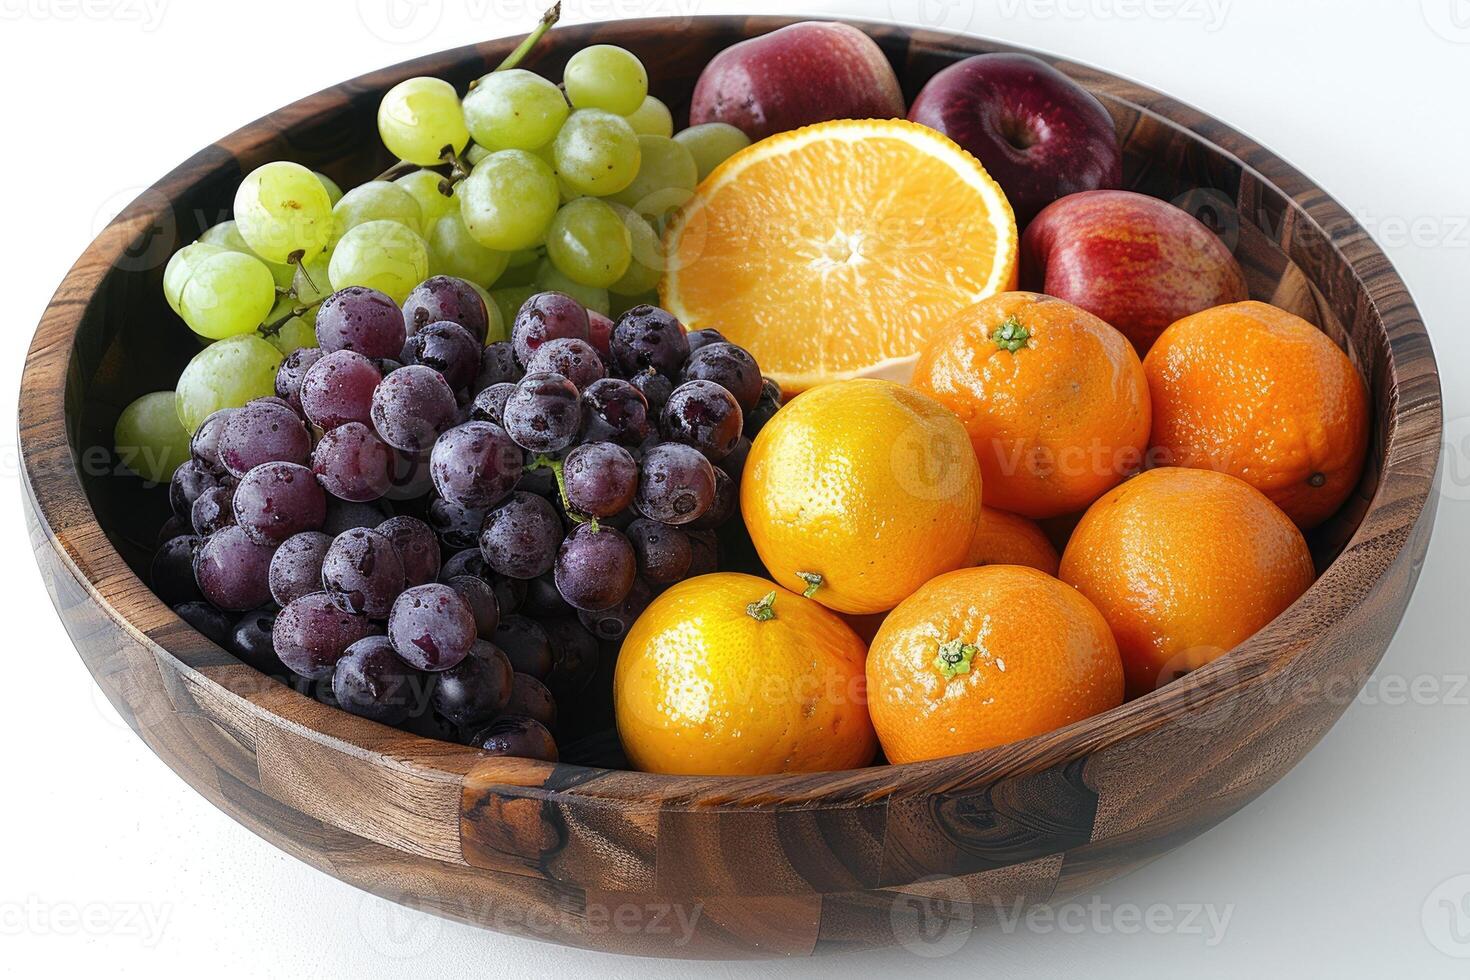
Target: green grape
[(520, 269), (589, 243), (452, 252), (496, 322), (509, 300), (181, 266), (514, 110), (227, 294), (652, 118), (666, 178), (149, 438), (334, 191), (420, 118), (508, 201), (606, 77), (596, 152), (423, 187), (711, 144), (646, 264), (298, 331), (565, 190), (383, 255), (377, 200), (476, 153), (283, 211), (549, 277), (313, 282), (225, 375), (226, 234)]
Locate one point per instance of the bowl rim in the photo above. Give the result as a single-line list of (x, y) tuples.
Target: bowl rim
[(1410, 449)]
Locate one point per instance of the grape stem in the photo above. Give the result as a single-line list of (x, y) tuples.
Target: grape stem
[(271, 329), (548, 20), (555, 465), (459, 169)]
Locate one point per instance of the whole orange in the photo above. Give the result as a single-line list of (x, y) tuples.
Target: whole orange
[(1008, 539), (1184, 564), (858, 492), (986, 656), (1053, 398), (729, 674), (1260, 393)]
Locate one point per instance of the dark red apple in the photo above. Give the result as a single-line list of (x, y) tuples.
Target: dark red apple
[(1039, 134), (1135, 261), (802, 74)]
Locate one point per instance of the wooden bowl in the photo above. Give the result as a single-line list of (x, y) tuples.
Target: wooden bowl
[(714, 866)]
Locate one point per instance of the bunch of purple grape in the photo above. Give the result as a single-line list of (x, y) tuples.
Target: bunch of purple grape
[(440, 534)]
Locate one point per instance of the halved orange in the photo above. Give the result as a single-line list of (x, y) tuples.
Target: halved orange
[(836, 250)]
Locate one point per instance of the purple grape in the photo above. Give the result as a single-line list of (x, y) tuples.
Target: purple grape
[(575, 360), (352, 463), (489, 404), (296, 567), (360, 319), (458, 526), (191, 478), (475, 464), (730, 367), (441, 298), (498, 365), (411, 478), (204, 445), (601, 478), (613, 624), (547, 316), (372, 681), (510, 593), (344, 515), (277, 500), (704, 415), (702, 338), (480, 597), (476, 689), (706, 553), (313, 632), (172, 528), (544, 413), (292, 373), (613, 410), (526, 645), (734, 463), (648, 337), (262, 432), (468, 563), (172, 570), (529, 698), (539, 479), (576, 655), (208, 620), (727, 502), (766, 406), (676, 484), (655, 389), (251, 640), (542, 599), (517, 737), (427, 723), (412, 406), (595, 567), (431, 627), (417, 546), (520, 537), (447, 348), (664, 552), (233, 571), (363, 572), (214, 509), (339, 388)]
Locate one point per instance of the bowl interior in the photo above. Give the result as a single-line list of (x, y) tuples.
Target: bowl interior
[(129, 341)]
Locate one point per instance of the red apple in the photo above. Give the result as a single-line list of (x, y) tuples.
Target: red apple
[(1135, 261), (802, 74), (1039, 134)]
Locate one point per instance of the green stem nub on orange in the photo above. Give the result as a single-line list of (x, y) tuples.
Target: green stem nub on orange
[(813, 582), (764, 609), (1011, 335), (954, 657)]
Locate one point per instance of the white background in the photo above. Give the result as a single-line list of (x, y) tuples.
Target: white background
[(110, 864)]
